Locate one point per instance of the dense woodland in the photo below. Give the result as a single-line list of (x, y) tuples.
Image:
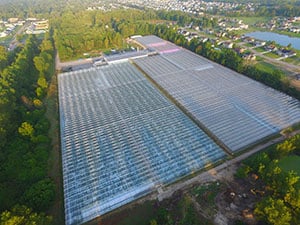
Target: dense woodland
[(24, 184), (76, 33)]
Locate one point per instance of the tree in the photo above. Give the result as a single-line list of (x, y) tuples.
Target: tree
[(42, 82), (41, 62), (37, 103), (26, 129), (153, 222), (40, 195), (22, 215), (3, 57), (39, 92), (284, 149), (46, 46), (273, 211)]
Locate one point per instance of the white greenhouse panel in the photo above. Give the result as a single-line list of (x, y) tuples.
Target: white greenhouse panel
[(236, 109), (120, 139)]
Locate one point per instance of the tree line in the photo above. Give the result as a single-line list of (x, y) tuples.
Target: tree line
[(78, 32), (26, 191), (231, 59)]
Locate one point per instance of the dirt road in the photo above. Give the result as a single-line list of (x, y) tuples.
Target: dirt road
[(77, 64), (223, 172)]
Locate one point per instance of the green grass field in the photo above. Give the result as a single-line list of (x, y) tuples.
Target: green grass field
[(248, 45), (272, 55), (291, 162), (293, 60), (267, 67), (260, 49)]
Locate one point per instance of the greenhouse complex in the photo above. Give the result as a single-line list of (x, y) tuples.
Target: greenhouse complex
[(137, 124)]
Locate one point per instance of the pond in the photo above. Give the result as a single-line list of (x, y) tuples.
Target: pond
[(283, 40)]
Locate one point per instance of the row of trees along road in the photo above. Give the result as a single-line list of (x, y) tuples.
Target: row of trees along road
[(25, 187), (229, 58)]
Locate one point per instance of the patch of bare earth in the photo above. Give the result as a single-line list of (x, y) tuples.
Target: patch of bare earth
[(236, 201), (295, 83)]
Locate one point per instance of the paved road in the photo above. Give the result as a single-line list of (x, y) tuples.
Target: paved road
[(76, 65), (224, 171), (294, 69), (14, 42)]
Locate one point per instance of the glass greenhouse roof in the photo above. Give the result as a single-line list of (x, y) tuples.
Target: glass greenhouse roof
[(121, 138), (237, 110)]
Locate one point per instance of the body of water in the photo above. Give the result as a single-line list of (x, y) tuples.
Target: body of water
[(283, 40)]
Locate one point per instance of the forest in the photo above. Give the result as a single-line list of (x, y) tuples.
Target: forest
[(25, 187)]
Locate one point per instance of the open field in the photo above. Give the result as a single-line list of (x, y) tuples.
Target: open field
[(267, 67), (291, 162), (272, 55), (293, 60), (260, 49)]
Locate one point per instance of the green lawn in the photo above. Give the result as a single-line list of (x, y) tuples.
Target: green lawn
[(293, 60), (248, 45), (291, 34), (291, 162), (267, 67), (259, 58), (272, 55), (260, 49), (54, 162)]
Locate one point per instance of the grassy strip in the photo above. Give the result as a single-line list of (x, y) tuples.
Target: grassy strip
[(54, 166), (260, 49), (293, 60), (267, 67), (291, 162), (272, 55)]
